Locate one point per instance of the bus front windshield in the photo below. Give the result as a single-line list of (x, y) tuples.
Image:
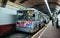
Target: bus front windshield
[(26, 15)]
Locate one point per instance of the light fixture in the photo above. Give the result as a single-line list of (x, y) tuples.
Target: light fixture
[(48, 7)]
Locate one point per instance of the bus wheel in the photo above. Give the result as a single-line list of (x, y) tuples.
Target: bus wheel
[(39, 26), (57, 26)]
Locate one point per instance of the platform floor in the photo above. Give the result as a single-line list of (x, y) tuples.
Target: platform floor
[(51, 32)]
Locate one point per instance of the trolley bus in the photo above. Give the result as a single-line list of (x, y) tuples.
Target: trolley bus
[(28, 20)]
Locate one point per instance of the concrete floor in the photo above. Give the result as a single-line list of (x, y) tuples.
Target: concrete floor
[(51, 32)]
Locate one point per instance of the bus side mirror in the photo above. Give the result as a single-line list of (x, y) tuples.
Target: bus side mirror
[(33, 15)]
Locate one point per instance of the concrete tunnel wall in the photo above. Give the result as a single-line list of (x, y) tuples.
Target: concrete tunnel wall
[(7, 20), (7, 16)]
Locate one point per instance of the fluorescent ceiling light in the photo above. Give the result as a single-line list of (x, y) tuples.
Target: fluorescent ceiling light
[(47, 6)]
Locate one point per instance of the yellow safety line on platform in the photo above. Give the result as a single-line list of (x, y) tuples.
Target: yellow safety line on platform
[(39, 31)]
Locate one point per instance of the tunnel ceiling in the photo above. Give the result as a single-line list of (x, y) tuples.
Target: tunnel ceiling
[(39, 4), (31, 3)]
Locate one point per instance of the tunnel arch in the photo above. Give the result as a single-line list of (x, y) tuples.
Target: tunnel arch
[(53, 6)]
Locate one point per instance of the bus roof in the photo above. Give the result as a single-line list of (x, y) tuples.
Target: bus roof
[(24, 9)]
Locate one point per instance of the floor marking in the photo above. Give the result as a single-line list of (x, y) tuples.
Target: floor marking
[(43, 32), (38, 32)]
